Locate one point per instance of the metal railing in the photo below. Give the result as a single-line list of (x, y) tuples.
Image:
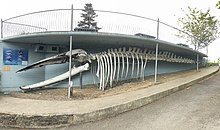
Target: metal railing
[(108, 21)]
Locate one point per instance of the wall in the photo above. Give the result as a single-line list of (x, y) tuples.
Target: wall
[(10, 80)]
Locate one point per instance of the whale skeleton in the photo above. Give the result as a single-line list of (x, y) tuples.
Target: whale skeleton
[(107, 68)]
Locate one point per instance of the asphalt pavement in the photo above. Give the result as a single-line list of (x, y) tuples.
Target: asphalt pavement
[(194, 108), (170, 105)]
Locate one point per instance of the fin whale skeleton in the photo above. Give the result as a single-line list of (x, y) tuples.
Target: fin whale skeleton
[(108, 67)]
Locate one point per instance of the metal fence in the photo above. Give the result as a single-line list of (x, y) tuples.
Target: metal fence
[(108, 21)]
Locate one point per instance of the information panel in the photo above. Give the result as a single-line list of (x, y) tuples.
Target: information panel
[(15, 56)]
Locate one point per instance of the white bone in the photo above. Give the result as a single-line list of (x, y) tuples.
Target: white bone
[(108, 69), (119, 50), (94, 67), (100, 73), (111, 69), (137, 65), (142, 66), (127, 66), (92, 73), (114, 69), (168, 56), (118, 66), (138, 50), (123, 65), (130, 49), (124, 49), (145, 63), (134, 49), (98, 69), (61, 77), (102, 76), (122, 56), (132, 68)]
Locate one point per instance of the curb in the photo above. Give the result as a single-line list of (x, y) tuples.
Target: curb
[(53, 120)]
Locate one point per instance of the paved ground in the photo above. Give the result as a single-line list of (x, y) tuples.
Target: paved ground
[(194, 108)]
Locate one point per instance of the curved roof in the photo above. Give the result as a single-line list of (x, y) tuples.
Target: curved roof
[(95, 39)]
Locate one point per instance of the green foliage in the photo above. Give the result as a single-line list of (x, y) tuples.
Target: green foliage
[(88, 16), (212, 63), (218, 5), (201, 27)]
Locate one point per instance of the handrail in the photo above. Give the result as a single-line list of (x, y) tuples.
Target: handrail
[(26, 25), (33, 13)]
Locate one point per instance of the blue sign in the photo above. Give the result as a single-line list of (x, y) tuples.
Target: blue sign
[(15, 56)]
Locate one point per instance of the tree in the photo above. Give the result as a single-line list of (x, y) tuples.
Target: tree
[(88, 16), (200, 28), (218, 5)]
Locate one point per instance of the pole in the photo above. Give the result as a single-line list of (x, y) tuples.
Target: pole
[(71, 27), (158, 23), (80, 74), (70, 89), (1, 28), (197, 62), (155, 71)]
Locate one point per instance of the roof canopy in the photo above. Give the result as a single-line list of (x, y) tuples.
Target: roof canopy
[(92, 39)]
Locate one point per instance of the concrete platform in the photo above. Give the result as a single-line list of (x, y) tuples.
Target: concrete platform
[(29, 113)]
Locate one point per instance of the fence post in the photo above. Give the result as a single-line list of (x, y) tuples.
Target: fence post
[(158, 23), (71, 27), (1, 28)]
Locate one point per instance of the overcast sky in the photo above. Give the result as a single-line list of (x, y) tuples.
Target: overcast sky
[(167, 10)]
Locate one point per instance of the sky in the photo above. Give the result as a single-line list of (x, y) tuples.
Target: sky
[(167, 11)]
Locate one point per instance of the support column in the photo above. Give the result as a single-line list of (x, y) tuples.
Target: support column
[(70, 88), (155, 71), (197, 62), (80, 75)]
